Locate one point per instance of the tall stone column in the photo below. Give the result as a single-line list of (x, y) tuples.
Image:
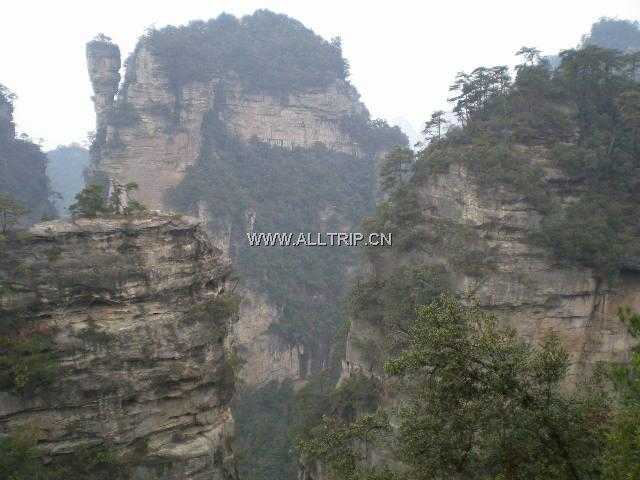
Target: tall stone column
[(103, 61)]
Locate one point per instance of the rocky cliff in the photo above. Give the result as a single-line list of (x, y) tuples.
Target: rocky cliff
[(155, 132), (103, 62), (483, 236), (201, 131), (524, 208), (251, 125), (133, 318)]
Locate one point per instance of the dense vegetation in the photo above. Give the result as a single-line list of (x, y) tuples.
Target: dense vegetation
[(583, 118), (23, 165), (20, 459), (622, 454), (269, 53), (66, 166), (287, 190), (478, 402)]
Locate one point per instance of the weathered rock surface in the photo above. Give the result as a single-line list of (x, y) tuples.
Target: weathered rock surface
[(103, 62), (266, 357), (136, 369), (523, 284)]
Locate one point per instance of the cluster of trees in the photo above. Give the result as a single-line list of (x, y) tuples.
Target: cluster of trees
[(268, 52), (23, 176), (92, 201), (583, 116), (479, 402)]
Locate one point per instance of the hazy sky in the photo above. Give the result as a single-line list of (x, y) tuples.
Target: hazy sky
[(403, 53)]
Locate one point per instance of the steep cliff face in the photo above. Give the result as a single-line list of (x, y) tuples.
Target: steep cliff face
[(266, 358), (523, 207), (155, 133), (149, 138), (201, 130), (134, 319), (103, 62), (522, 283)]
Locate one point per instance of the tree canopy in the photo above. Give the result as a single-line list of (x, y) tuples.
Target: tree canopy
[(267, 51)]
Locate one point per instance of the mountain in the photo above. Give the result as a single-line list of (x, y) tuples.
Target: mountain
[(23, 166), (616, 34), (524, 209), (252, 125)]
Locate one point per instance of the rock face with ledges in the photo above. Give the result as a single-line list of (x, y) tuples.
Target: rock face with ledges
[(523, 284), (137, 369)]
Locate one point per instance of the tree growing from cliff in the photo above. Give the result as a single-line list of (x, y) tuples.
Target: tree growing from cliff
[(92, 201), (530, 54), (474, 91), (395, 168), (436, 126)]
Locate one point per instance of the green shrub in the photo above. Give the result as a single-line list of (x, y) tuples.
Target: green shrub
[(91, 202), (214, 311), (20, 459), (27, 363)]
